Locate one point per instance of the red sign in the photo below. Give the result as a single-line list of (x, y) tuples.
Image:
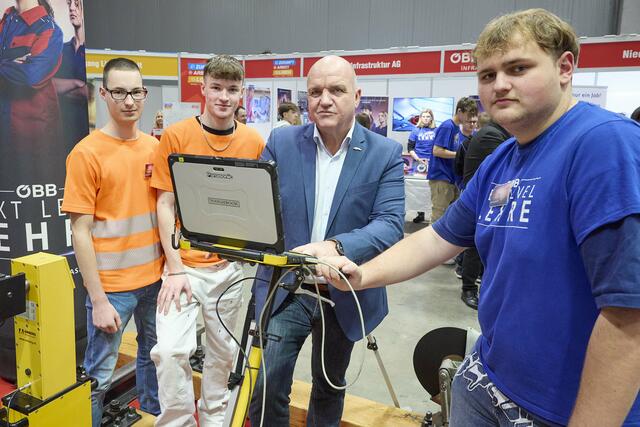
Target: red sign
[(191, 74), (459, 61), (609, 55), (389, 63), (272, 68)]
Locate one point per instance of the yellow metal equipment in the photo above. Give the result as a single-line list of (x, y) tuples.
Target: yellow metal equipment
[(50, 394)]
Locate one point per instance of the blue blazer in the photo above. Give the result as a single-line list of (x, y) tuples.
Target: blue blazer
[(367, 213)]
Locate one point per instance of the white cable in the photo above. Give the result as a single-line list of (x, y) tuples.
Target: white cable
[(322, 322), (364, 334)]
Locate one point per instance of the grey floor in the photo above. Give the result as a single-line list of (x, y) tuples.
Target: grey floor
[(416, 307)]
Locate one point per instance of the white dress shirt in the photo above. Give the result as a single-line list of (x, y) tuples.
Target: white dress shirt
[(328, 168)]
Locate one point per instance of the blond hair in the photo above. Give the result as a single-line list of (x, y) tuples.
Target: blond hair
[(551, 33), (432, 124)]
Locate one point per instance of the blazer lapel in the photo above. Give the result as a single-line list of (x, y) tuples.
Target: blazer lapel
[(355, 153), (308, 165)]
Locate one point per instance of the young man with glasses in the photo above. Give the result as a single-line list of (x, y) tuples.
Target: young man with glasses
[(194, 280), (115, 235)]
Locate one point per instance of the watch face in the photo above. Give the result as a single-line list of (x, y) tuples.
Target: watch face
[(339, 249)]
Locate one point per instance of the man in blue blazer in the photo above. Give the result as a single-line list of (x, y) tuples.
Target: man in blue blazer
[(342, 192)]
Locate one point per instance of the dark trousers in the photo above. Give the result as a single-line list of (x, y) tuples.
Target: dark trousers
[(471, 269), (296, 319)]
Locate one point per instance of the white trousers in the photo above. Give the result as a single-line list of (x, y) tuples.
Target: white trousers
[(177, 342)]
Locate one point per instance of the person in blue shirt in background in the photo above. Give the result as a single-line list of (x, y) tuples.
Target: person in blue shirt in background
[(442, 179), (420, 145), (555, 215)]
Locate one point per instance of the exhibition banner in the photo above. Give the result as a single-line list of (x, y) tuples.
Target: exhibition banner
[(389, 63), (594, 94), (43, 114), (459, 61), (272, 68), (609, 55), (191, 75), (164, 67)]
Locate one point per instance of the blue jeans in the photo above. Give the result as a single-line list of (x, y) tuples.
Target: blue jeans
[(295, 319), (102, 348), (477, 402)]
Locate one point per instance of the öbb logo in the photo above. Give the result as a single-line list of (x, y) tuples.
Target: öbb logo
[(460, 57), (36, 190)]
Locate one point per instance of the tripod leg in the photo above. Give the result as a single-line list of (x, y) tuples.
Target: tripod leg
[(373, 345)]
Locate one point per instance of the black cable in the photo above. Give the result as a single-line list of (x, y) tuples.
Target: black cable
[(259, 325), (261, 335), (244, 354)]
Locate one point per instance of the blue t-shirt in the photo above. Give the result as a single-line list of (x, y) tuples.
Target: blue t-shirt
[(533, 206), (445, 137), (423, 137)]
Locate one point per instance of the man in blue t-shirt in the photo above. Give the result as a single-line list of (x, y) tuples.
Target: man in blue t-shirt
[(555, 215), (442, 179)]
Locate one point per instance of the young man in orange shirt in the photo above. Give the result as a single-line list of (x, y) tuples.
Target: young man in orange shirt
[(115, 235), (194, 279)]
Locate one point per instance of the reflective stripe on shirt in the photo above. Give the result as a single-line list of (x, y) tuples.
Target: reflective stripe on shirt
[(125, 227), (129, 258)]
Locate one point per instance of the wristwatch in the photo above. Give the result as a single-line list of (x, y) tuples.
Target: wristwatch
[(339, 247)]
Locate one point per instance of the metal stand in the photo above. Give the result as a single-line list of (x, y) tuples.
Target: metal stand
[(242, 384), (373, 345)]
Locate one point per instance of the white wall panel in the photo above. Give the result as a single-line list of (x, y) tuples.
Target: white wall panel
[(373, 87), (623, 90), (454, 86), (584, 79)]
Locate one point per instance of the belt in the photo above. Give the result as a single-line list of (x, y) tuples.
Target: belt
[(322, 287)]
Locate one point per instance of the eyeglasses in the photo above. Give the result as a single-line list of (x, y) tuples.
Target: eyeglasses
[(118, 94)]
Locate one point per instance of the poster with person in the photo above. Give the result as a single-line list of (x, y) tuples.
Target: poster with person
[(406, 111), (43, 114), (376, 107), (303, 106), (284, 95), (258, 104)]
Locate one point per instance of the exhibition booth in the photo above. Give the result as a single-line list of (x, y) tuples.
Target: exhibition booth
[(607, 75), (396, 84)]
